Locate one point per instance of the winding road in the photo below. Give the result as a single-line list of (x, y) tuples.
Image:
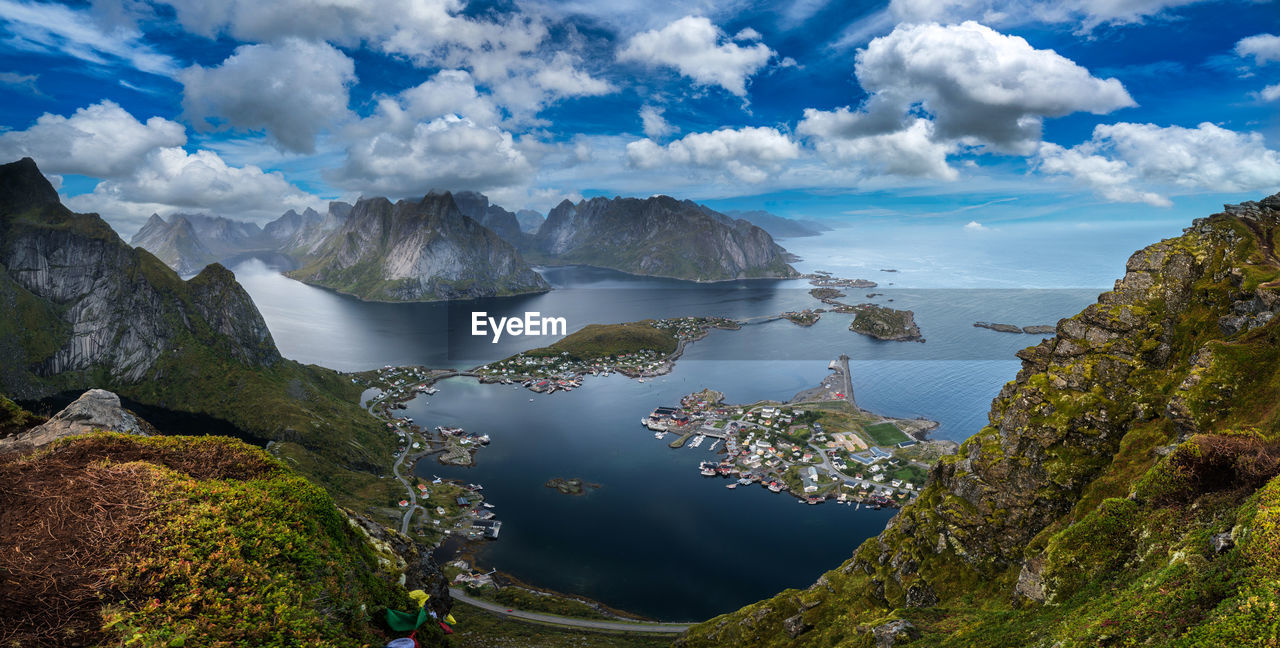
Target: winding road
[(593, 624)]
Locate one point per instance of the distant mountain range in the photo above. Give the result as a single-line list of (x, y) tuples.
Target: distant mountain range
[(658, 236), (421, 250), (459, 245), (778, 226)]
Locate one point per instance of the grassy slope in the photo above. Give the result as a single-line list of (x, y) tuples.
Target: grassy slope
[(603, 340), (1131, 563), (232, 549)]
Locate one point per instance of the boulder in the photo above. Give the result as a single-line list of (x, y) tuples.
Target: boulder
[(96, 409), (889, 634)]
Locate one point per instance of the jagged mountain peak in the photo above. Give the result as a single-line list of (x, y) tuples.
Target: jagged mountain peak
[(23, 187)]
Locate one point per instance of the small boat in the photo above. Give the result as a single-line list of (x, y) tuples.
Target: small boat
[(530, 400), (731, 486), (641, 380)]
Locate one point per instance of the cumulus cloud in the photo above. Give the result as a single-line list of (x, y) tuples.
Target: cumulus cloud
[(293, 90), (506, 51), (102, 140), (747, 154), (982, 87), (654, 124), (1120, 160), (1088, 14), (56, 29), (912, 151), (974, 226), (171, 179), (701, 51), (1270, 93), (443, 133), (1264, 48)]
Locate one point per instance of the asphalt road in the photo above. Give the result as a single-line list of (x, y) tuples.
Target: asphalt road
[(615, 626)]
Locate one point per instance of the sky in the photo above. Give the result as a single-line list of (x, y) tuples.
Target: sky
[(979, 114)]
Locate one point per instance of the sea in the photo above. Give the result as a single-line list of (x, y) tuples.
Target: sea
[(656, 538)]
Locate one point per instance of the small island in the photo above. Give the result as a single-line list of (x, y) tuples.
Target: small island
[(884, 323), (806, 317), (1039, 329), (826, 293), (571, 486)]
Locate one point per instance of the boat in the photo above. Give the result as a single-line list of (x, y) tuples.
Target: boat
[(641, 380), (659, 435), (530, 400), (731, 486)]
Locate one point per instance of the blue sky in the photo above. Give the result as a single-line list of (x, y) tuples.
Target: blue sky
[(950, 111)]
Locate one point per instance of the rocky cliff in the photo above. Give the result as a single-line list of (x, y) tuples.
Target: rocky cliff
[(79, 309), (1123, 493), (658, 236), (418, 250), (478, 208), (529, 220)]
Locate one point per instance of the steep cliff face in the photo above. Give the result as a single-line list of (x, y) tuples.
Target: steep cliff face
[(478, 208), (79, 309), (290, 223), (189, 242), (658, 236), (420, 250), (1120, 495), (529, 220)]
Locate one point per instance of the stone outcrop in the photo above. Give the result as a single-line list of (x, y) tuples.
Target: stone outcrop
[(96, 409)]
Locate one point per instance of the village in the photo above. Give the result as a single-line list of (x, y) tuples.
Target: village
[(814, 450), (449, 508), (564, 365)]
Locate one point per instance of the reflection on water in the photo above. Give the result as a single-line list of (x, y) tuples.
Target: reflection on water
[(658, 538)]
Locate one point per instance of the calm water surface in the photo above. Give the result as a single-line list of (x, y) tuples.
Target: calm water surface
[(657, 538)]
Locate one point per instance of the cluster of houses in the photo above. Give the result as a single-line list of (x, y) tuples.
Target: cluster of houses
[(777, 446)]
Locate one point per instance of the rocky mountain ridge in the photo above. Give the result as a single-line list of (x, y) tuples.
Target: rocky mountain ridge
[(658, 236), (418, 250)]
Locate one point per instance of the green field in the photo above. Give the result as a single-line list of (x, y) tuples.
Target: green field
[(885, 433), (604, 340)]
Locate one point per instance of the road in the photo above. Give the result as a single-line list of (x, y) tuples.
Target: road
[(593, 624), (413, 497)]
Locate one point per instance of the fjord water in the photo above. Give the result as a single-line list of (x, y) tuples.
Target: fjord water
[(657, 538)]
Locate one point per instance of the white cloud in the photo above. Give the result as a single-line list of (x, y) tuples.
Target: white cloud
[(748, 154), (171, 179), (508, 53), (21, 82), (700, 51), (415, 141), (982, 87), (654, 124), (1088, 14), (1264, 48), (1270, 93), (56, 29), (102, 140), (292, 90), (1121, 160), (912, 151), (974, 226)]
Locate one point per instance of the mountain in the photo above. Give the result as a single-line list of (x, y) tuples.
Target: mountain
[(290, 224), (81, 309), (1125, 491), (778, 226), (417, 251), (177, 244), (477, 207), (658, 236), (189, 242), (529, 220), (311, 230)]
